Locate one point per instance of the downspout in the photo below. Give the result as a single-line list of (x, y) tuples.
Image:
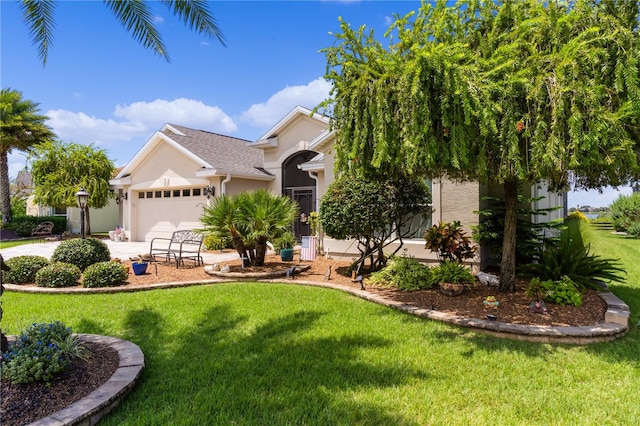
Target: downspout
[(320, 235), (223, 184)]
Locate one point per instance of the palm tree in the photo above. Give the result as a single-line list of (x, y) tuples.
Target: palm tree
[(266, 217), (251, 219), (21, 127), (135, 16)]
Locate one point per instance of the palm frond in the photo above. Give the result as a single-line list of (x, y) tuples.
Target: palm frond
[(136, 17), (196, 14), (38, 15)]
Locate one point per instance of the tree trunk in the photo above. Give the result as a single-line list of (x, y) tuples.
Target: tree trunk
[(5, 188), (508, 264), (238, 244), (261, 251)]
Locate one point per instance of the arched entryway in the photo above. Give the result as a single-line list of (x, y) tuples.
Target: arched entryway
[(300, 187)]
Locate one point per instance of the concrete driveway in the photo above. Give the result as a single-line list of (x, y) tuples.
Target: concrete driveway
[(122, 250)]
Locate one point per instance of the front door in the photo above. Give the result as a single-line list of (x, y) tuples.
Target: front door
[(306, 199)]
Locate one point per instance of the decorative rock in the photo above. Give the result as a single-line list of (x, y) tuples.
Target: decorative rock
[(215, 267), (225, 269)]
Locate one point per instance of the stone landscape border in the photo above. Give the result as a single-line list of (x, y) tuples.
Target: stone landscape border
[(615, 326), (89, 409)]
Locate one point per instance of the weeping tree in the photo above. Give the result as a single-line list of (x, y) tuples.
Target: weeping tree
[(60, 169), (374, 212), (250, 219), (498, 92)]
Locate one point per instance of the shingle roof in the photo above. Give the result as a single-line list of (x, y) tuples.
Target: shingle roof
[(225, 154)]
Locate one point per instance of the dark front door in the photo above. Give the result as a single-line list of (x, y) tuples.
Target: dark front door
[(305, 197)]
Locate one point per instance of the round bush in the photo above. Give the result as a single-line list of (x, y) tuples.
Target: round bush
[(23, 269), (58, 274), (81, 252), (104, 274), (404, 273)]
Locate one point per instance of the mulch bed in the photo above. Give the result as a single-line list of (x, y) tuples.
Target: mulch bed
[(26, 403)]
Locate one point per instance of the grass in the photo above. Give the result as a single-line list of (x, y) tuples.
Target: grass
[(14, 243), (276, 354)]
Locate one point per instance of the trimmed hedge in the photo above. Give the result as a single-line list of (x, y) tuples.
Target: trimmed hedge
[(104, 274), (23, 225), (58, 274), (23, 269), (81, 252)]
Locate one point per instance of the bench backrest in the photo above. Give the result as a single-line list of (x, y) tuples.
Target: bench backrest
[(186, 235), (44, 227)]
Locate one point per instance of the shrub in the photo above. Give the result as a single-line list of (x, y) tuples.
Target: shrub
[(578, 215), (562, 292), (104, 274), (24, 224), (625, 211), (452, 272), (58, 274), (23, 269), (403, 272), (81, 252), (572, 258), (35, 355), (214, 242), (634, 229), (285, 241), (449, 241)]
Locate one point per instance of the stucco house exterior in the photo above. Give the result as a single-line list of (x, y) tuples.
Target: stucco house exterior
[(168, 182), (102, 220)]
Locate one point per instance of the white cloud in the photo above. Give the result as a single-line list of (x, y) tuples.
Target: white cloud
[(277, 106), (186, 112), (81, 128), (157, 19)]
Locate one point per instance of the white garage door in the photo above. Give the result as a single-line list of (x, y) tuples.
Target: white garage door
[(161, 212)]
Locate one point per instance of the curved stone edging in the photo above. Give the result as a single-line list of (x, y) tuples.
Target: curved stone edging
[(262, 275), (616, 317), (88, 410), (616, 320)]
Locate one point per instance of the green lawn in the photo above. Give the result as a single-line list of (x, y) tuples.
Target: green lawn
[(275, 354)]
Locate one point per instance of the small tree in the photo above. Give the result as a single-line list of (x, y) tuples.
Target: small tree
[(250, 219), (375, 213), (60, 169)]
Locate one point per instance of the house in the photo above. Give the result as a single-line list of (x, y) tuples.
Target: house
[(102, 220), (168, 182)]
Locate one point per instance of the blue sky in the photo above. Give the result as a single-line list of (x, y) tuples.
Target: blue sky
[(100, 86)]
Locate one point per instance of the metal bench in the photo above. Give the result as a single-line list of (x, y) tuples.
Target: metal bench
[(183, 245), (43, 230)]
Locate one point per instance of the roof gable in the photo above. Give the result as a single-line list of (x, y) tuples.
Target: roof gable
[(290, 117), (219, 154)]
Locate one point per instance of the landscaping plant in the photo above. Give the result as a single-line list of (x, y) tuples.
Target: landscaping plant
[(452, 272), (571, 258), (403, 272), (40, 353), (449, 241), (58, 274), (529, 235), (625, 212), (23, 269), (562, 292), (81, 252), (104, 274)]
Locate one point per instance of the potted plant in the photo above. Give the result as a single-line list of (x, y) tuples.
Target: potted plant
[(452, 277), (139, 266), (284, 245)]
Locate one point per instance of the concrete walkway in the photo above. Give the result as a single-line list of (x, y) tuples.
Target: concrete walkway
[(122, 250)]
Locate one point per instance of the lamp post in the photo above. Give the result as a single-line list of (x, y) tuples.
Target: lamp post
[(82, 196)]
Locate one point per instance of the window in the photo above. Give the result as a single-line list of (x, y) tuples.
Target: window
[(149, 194), (186, 192), (197, 192), (158, 194), (167, 194), (140, 194), (59, 211), (176, 192)]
